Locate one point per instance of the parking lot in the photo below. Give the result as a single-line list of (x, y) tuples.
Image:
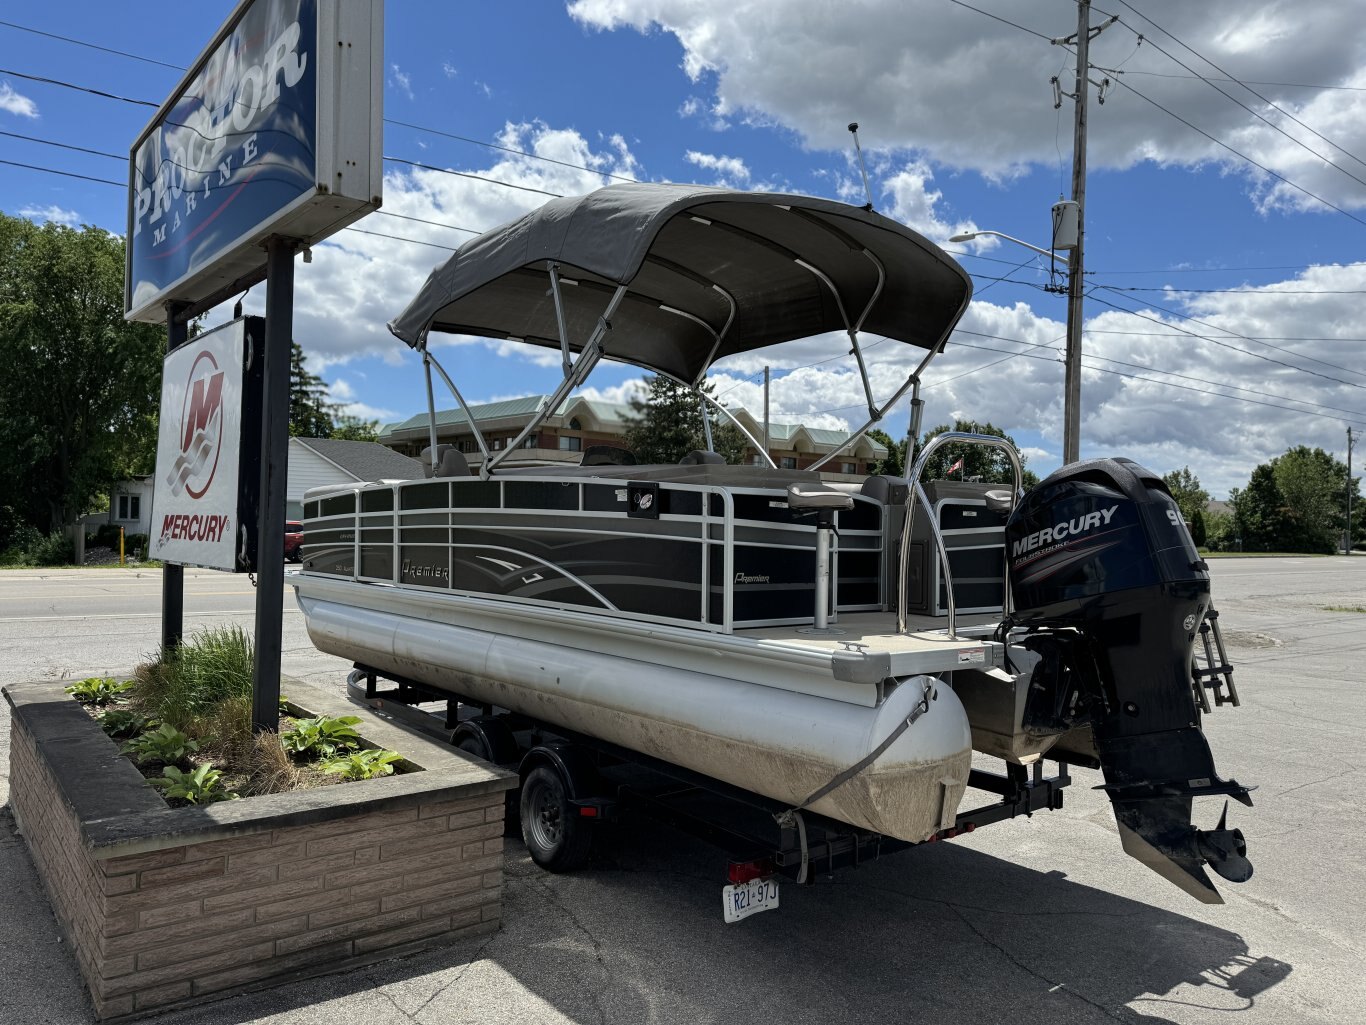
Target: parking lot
[(1040, 919)]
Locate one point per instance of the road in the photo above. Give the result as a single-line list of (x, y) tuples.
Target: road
[(1041, 919)]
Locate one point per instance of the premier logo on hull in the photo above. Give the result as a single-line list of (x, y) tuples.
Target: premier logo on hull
[(1060, 531)]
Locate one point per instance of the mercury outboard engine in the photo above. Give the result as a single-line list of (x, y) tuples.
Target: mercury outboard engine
[(1113, 594)]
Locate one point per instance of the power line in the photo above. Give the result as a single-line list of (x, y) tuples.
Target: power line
[(1234, 348), (65, 174), (63, 145), (1243, 156), (1247, 338), (92, 46), (1252, 81), (507, 149), (1254, 92), (476, 177), (997, 17), (79, 88)]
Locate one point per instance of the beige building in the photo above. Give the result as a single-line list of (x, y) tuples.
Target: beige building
[(580, 424)]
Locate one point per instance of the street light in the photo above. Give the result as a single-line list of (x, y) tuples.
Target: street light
[(1071, 405)]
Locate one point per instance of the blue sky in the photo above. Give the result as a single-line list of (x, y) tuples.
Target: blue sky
[(960, 133)]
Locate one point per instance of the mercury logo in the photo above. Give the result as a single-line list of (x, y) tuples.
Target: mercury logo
[(1067, 528), (201, 429)]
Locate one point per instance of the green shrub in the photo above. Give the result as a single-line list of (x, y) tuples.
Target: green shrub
[(98, 690), (163, 744), (122, 722), (365, 764), (200, 785), (322, 737), (185, 684), (53, 550), (135, 542)]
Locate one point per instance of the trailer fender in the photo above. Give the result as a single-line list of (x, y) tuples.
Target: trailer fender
[(573, 764)]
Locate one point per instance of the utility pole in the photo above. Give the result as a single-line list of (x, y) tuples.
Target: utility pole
[(766, 443), (1071, 432), (1349, 491)]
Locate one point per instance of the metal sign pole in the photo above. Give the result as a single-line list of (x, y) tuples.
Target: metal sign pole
[(172, 574), (270, 534)]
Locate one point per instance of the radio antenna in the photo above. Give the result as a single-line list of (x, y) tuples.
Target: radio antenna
[(853, 130)]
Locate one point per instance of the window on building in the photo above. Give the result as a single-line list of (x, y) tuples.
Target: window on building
[(130, 507), (788, 462), (467, 445), (568, 444), (848, 467), (574, 424), (530, 442), (497, 443)]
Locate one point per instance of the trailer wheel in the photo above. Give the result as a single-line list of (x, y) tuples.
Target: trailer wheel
[(556, 837)]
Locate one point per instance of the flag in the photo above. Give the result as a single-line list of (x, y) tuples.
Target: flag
[(956, 466)]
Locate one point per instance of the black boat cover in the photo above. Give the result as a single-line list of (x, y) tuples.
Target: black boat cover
[(685, 252)]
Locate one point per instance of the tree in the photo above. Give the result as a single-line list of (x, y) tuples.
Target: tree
[(310, 414), (81, 386), (1190, 497), (1259, 512), (353, 428), (989, 465), (667, 424), (894, 463), (1310, 480)]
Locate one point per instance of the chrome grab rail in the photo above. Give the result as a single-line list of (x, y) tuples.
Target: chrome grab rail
[(918, 492)]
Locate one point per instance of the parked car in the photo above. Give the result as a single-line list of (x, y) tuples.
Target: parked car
[(294, 539)]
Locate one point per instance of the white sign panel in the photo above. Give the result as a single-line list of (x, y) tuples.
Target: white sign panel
[(198, 511)]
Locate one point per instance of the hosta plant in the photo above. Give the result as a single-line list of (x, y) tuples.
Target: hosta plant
[(163, 744), (122, 722), (322, 737), (200, 785), (365, 764), (98, 690)]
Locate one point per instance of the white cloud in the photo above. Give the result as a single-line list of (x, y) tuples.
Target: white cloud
[(357, 283), (51, 213), (16, 103), (729, 171), (967, 91), (401, 79), (449, 69)]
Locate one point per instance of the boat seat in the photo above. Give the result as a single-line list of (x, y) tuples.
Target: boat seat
[(697, 456), (888, 490), (817, 496), (451, 462), (607, 455)]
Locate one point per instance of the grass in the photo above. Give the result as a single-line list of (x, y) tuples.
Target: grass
[(1359, 609), (187, 686)]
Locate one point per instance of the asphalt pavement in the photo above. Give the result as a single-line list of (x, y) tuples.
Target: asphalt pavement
[(1040, 919)]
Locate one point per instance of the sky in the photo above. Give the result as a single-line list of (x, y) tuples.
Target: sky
[(1225, 205)]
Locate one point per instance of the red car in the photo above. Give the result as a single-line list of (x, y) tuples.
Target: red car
[(294, 539)]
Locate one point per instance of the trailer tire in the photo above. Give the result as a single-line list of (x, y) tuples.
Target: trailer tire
[(555, 836)]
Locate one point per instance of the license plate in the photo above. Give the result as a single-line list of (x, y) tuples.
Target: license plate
[(749, 898)]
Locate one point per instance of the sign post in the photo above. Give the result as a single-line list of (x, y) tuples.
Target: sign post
[(272, 142), (270, 580)]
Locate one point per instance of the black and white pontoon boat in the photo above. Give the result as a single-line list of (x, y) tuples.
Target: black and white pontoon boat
[(759, 627)]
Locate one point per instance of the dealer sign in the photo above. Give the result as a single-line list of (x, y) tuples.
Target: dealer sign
[(208, 465), (276, 130)]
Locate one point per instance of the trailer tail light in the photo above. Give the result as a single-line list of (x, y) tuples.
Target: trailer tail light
[(741, 872), (588, 811)]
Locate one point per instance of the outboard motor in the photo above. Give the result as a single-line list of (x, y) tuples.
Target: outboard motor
[(1113, 593)]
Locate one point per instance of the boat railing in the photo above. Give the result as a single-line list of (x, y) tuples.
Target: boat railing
[(919, 496)]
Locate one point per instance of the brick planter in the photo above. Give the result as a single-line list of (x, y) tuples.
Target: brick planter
[(167, 906)]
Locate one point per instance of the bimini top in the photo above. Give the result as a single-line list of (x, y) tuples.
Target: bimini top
[(699, 264)]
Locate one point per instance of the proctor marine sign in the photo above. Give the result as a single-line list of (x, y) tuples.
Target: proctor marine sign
[(275, 131), (208, 467)]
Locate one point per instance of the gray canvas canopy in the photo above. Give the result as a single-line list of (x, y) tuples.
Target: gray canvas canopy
[(707, 273)]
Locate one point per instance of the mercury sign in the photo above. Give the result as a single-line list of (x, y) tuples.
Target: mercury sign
[(208, 470), (276, 130)]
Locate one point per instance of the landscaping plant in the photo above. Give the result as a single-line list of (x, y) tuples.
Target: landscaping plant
[(366, 764), (163, 744), (99, 690), (200, 785), (322, 737), (123, 722)]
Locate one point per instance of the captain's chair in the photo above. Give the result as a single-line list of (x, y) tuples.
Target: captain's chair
[(697, 456), (451, 462), (607, 455)]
